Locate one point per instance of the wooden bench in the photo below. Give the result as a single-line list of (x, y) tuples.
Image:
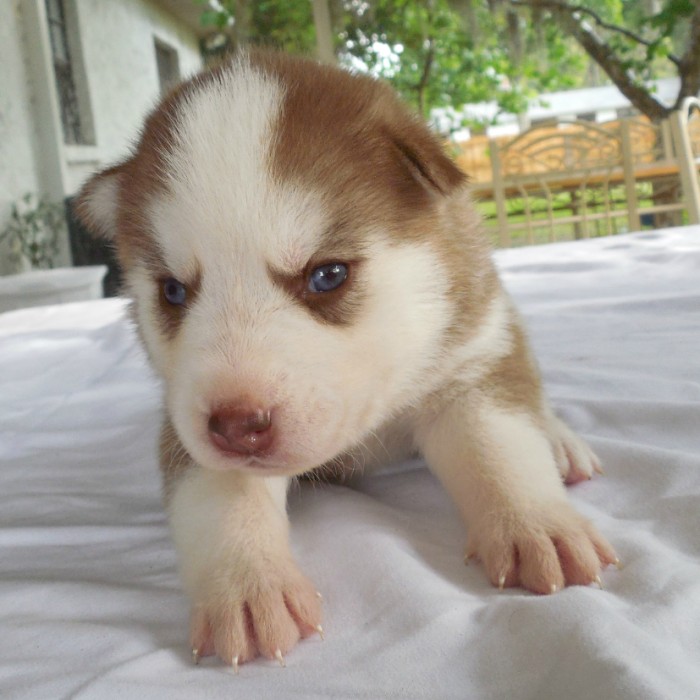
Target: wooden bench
[(587, 178)]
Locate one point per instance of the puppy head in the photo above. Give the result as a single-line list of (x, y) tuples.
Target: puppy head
[(288, 238)]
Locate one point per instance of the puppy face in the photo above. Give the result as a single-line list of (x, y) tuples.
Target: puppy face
[(294, 244)]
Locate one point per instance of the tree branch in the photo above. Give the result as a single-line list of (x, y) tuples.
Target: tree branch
[(467, 13), (425, 75), (573, 9), (689, 66), (567, 18), (324, 31)]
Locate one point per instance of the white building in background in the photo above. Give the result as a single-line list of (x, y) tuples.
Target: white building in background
[(76, 80), (595, 104)]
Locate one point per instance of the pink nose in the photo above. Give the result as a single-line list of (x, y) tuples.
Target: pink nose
[(241, 429)]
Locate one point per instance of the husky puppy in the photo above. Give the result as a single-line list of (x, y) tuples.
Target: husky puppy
[(311, 281)]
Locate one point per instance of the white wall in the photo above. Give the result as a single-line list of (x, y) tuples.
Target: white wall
[(115, 47), (119, 55), (18, 168)]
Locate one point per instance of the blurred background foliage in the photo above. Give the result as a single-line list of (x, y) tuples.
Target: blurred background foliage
[(447, 53)]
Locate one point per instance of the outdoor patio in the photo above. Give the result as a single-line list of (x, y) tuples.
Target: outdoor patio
[(579, 179)]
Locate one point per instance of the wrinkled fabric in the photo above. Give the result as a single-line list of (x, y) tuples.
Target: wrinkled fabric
[(90, 601)]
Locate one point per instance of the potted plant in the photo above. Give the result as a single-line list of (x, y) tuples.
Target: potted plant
[(33, 232)]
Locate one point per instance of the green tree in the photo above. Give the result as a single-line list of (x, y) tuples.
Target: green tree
[(425, 49), (445, 53), (632, 41), (283, 24)]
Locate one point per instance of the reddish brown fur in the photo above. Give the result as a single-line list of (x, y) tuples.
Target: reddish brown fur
[(171, 315), (514, 380), (349, 137), (338, 306), (377, 165)]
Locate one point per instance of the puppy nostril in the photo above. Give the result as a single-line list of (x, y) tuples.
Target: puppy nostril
[(258, 421), (240, 429)]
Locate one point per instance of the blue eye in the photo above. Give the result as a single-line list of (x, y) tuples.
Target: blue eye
[(175, 292), (328, 277)]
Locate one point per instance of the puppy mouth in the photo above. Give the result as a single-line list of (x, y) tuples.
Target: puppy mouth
[(257, 461), (259, 464)]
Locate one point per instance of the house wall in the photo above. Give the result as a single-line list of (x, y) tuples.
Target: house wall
[(117, 42), (114, 56), (18, 166)]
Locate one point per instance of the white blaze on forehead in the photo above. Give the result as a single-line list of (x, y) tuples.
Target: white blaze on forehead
[(222, 198)]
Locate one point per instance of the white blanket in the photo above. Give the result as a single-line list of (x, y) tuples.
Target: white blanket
[(90, 601)]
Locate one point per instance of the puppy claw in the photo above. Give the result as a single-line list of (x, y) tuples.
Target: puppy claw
[(280, 659), (195, 657), (501, 582), (553, 588), (234, 664), (618, 564), (318, 595), (321, 634), (598, 581)]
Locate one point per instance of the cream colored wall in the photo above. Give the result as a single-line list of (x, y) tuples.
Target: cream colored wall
[(114, 47), (18, 162), (118, 51)]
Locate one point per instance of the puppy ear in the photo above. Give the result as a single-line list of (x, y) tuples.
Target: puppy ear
[(96, 204), (426, 160)]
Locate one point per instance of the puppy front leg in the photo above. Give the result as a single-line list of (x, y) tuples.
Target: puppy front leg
[(499, 468), (232, 536)]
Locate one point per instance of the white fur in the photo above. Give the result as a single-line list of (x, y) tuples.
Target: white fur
[(245, 338), (285, 358), (488, 456), (103, 205), (221, 193), (219, 519)]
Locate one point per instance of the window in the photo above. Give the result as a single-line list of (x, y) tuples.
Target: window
[(626, 112), (168, 66), (77, 128)]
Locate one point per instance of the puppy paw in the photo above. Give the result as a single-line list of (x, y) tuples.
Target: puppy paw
[(575, 460), (261, 614), (542, 551)]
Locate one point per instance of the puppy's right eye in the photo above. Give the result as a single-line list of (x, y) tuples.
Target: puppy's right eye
[(174, 292), (327, 278)]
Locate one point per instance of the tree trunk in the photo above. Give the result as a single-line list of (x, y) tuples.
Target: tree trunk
[(241, 25), (324, 31), (425, 76), (606, 58), (467, 13), (429, 40), (689, 68), (515, 37), (571, 19)]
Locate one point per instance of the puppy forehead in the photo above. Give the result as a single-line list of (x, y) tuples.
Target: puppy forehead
[(221, 201), (279, 228)]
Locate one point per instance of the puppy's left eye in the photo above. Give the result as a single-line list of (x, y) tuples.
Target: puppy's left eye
[(174, 291), (326, 278)]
